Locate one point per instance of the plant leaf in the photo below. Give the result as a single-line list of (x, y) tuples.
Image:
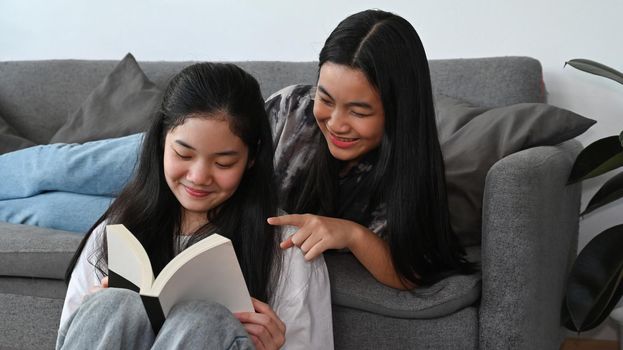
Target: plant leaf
[(596, 68), (594, 285), (609, 192), (597, 158)]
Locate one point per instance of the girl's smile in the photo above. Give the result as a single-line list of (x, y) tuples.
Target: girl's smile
[(342, 142), (193, 192)]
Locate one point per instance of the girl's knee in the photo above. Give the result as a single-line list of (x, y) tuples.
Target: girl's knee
[(201, 307), (115, 299)]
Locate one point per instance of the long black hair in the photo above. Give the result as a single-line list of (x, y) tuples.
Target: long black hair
[(408, 176), (148, 208)]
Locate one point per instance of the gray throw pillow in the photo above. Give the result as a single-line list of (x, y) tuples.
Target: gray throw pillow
[(473, 139), (122, 104), (10, 140)]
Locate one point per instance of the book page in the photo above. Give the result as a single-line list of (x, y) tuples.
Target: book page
[(207, 270), (127, 257)]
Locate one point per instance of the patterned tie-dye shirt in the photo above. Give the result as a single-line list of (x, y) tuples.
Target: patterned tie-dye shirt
[(295, 138)]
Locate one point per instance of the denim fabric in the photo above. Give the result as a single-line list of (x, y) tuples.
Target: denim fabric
[(116, 319), (98, 168), (58, 210), (65, 186)]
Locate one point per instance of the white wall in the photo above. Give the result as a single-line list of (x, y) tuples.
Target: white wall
[(551, 31)]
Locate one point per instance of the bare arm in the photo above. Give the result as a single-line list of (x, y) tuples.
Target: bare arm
[(374, 254)]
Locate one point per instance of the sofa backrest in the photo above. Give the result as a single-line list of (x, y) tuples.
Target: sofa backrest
[(36, 97)]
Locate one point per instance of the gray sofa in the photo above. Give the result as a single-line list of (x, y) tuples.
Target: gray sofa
[(525, 254)]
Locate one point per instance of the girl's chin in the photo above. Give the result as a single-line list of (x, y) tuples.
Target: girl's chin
[(340, 154), (190, 204)]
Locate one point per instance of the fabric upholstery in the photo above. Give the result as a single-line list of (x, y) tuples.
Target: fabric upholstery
[(354, 329), (354, 287), (28, 322), (37, 97), (473, 139), (123, 104), (31, 251), (35, 287), (530, 225), (10, 140), (490, 81)]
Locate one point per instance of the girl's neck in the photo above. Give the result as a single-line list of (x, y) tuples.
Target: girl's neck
[(191, 221)]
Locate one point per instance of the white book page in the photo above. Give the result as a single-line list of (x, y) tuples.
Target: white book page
[(127, 257), (213, 274)]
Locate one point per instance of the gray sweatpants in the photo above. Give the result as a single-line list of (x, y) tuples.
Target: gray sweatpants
[(116, 319)]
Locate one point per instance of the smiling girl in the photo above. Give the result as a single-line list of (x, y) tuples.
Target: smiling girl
[(358, 159), (205, 166)]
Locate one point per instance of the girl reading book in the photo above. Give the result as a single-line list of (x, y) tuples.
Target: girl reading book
[(358, 158), (205, 166)]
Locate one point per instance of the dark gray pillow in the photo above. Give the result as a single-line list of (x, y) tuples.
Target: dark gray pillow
[(122, 104), (473, 139), (10, 140)]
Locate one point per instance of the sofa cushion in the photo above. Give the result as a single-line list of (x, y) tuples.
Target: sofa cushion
[(10, 140), (31, 251), (353, 329), (354, 287), (122, 104), (474, 138)]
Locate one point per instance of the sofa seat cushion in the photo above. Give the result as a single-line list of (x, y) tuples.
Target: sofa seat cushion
[(32, 251), (354, 329), (354, 287)]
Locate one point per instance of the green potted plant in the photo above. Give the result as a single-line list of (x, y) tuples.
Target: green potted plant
[(595, 283)]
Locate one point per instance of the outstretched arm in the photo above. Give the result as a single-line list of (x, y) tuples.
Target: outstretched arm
[(318, 233)]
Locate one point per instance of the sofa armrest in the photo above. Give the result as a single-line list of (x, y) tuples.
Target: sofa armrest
[(530, 229)]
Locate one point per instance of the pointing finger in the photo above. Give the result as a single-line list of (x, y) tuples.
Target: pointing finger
[(297, 220)]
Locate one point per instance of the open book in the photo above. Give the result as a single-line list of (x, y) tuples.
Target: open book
[(207, 270)]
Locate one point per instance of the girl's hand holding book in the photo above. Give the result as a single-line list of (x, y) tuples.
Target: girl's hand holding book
[(264, 326)]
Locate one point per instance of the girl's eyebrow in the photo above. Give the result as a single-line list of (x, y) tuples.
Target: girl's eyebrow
[(226, 153), (324, 91), (222, 153), (184, 144), (350, 104)]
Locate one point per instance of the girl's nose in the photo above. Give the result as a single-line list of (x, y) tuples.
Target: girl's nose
[(338, 121), (199, 174)]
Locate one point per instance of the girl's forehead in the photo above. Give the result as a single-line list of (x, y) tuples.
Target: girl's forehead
[(346, 83), (206, 135)]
